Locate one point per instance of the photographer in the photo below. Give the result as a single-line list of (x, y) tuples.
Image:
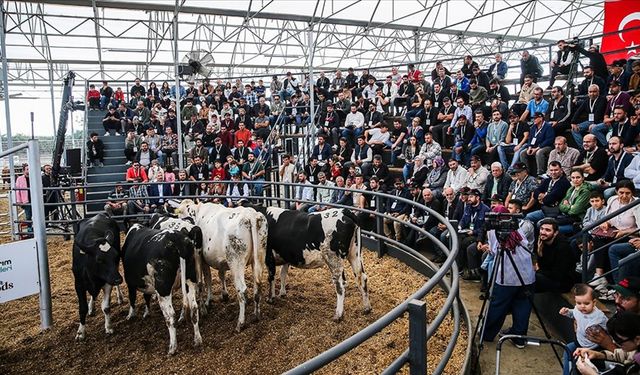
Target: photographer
[(514, 280)]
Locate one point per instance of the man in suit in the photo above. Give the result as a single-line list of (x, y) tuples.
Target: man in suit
[(158, 193)]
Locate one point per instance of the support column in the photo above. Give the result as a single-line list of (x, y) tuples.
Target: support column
[(312, 111), (416, 46), (177, 83), (40, 233), (13, 212)]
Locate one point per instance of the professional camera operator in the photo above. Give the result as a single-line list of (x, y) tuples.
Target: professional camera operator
[(514, 277)]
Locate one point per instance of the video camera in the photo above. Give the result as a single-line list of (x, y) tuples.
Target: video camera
[(502, 222)]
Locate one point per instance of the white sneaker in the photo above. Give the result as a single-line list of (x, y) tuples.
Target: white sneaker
[(128, 163), (107, 134), (117, 134), (599, 285)]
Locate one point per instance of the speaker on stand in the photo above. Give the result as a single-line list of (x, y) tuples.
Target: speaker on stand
[(74, 160)]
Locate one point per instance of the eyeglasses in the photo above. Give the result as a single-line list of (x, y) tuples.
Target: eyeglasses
[(619, 341)]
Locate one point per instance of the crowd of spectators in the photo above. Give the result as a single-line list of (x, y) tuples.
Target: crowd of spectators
[(456, 141)]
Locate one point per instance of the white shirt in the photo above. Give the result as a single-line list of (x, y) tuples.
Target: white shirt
[(456, 179), (354, 119)]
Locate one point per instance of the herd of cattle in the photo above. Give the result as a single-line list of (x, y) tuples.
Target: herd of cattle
[(181, 250)]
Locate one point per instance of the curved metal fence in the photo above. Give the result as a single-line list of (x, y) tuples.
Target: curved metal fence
[(446, 276)]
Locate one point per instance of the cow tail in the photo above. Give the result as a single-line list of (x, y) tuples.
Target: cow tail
[(259, 247)]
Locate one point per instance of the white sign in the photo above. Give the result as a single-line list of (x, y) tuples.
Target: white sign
[(18, 270)]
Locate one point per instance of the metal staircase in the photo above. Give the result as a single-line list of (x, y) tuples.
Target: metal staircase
[(114, 169)]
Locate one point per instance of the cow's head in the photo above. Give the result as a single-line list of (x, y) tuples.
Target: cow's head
[(187, 208), (103, 259)]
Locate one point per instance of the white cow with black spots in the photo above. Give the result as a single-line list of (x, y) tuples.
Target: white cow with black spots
[(232, 238)]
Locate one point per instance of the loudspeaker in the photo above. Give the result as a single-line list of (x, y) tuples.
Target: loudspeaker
[(74, 160)]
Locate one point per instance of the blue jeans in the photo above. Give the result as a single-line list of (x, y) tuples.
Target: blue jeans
[(458, 156), (476, 150), (508, 298), (567, 360), (352, 134), (618, 252), (583, 127), (566, 229), (257, 186), (406, 171), (600, 131), (104, 101), (502, 154), (413, 113), (535, 216)]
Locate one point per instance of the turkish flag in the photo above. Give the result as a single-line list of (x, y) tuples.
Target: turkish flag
[(619, 17)]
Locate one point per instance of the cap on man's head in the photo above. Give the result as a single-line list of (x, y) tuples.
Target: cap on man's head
[(518, 167), (538, 114), (628, 287), (464, 191), (475, 192), (614, 83)]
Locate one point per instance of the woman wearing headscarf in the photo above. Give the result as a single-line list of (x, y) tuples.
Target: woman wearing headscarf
[(437, 176)]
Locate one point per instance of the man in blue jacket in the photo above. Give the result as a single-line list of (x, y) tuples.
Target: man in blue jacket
[(539, 143)]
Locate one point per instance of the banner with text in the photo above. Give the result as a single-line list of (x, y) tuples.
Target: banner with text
[(18, 270)]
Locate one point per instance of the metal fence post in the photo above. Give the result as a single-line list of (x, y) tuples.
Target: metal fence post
[(382, 246), (39, 232), (585, 258), (417, 337)]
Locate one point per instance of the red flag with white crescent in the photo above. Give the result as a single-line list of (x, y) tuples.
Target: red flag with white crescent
[(619, 17)]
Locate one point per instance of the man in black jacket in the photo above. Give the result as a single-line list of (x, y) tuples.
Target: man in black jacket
[(424, 218), (497, 185), (588, 114), (95, 151), (555, 266), (398, 209), (550, 193), (529, 64)]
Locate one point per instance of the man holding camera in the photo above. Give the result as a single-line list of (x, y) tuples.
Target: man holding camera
[(514, 282)]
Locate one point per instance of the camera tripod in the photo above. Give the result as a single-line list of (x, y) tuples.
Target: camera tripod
[(65, 211), (502, 253)]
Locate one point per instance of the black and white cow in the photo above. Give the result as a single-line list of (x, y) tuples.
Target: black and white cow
[(96, 255), (232, 239), (174, 224), (151, 258), (311, 240)]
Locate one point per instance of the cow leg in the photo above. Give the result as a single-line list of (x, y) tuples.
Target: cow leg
[(90, 311), (106, 308), (336, 268), (284, 270), (272, 284), (257, 285), (169, 316), (147, 305), (132, 302), (83, 309), (361, 280), (177, 285), (237, 270), (223, 285), (119, 296), (193, 309)]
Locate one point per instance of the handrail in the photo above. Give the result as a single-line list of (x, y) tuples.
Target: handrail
[(585, 239)]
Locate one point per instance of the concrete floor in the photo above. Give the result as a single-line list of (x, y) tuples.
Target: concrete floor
[(532, 360)]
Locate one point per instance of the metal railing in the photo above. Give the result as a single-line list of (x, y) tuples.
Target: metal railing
[(583, 234), (452, 306)]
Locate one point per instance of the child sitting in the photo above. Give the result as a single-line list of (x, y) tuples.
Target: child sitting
[(587, 317)]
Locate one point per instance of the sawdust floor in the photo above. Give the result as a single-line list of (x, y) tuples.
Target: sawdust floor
[(291, 330)]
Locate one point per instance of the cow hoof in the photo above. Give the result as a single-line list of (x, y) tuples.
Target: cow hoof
[(91, 312), (197, 341), (239, 327), (282, 294), (337, 318), (172, 351), (80, 336), (108, 331), (367, 310)]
